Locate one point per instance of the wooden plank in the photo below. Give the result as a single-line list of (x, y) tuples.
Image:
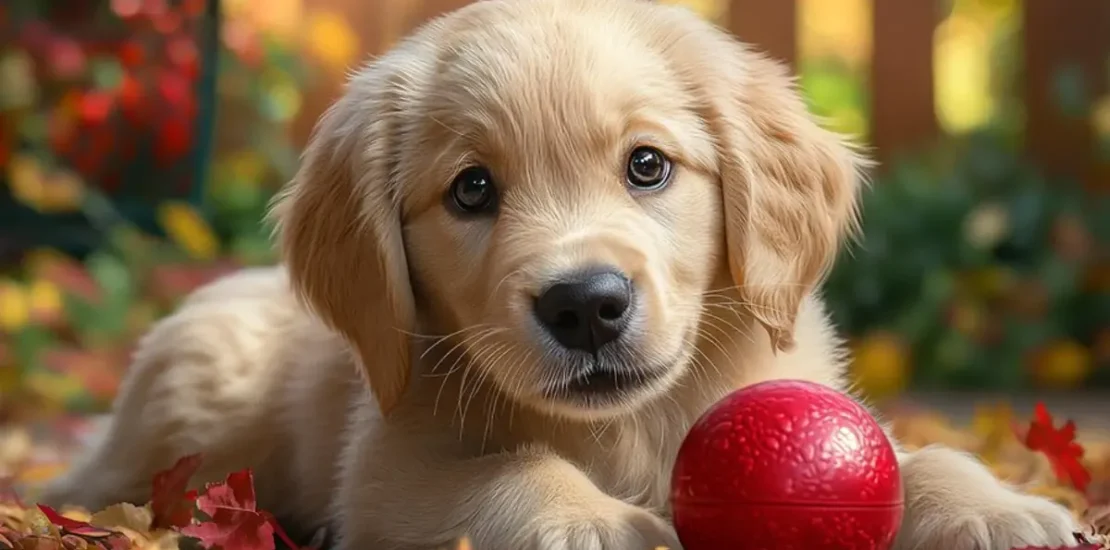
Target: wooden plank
[(1060, 35), (769, 24), (903, 108)]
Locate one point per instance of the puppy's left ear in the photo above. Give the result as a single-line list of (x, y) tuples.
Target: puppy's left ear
[(789, 188)]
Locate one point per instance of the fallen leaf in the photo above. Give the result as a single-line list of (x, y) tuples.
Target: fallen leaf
[(992, 424), (171, 504), (1059, 446), (69, 525), (235, 522), (39, 524), (124, 515)]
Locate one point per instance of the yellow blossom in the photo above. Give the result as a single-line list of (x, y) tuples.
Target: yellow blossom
[(188, 230), (15, 308)]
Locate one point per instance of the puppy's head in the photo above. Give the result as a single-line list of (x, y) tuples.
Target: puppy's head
[(556, 184)]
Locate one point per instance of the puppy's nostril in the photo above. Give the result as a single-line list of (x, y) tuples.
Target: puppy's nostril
[(610, 311)]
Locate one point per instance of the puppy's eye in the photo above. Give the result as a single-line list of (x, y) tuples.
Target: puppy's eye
[(648, 168), (473, 190)]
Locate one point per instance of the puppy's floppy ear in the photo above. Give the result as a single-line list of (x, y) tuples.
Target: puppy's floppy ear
[(789, 187), (340, 230)]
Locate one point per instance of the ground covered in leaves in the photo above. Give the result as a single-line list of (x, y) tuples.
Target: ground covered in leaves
[(1046, 456)]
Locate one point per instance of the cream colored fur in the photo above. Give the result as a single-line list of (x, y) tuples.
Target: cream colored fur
[(454, 436)]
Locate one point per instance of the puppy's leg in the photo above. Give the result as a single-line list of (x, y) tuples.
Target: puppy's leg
[(397, 494), (954, 502), (198, 383)]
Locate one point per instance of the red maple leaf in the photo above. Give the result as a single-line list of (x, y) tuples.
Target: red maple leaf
[(1059, 446), (172, 505), (235, 521)]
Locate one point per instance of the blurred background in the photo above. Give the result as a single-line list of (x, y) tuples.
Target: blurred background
[(141, 139)]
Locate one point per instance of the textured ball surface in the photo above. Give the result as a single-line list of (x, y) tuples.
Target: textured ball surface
[(785, 465)]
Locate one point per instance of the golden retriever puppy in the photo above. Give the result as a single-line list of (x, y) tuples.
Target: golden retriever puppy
[(536, 240)]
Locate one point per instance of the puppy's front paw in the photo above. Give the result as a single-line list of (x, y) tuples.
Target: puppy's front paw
[(613, 525), (954, 503)]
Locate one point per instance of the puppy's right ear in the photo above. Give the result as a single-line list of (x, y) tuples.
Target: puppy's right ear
[(339, 228)]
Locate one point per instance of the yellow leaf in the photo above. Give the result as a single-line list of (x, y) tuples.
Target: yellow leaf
[(1063, 364), (74, 513), (125, 515), (880, 365), (62, 192), (26, 180), (40, 525), (15, 309), (56, 389), (332, 40), (188, 230), (44, 300), (993, 424)]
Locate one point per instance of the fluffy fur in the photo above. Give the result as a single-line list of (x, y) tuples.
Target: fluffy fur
[(384, 287)]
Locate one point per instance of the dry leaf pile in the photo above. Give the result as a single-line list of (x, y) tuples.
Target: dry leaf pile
[(1038, 455)]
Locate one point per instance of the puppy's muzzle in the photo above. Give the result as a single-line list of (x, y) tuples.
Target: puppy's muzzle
[(586, 310)]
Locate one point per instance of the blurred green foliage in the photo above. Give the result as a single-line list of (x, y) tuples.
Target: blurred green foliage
[(994, 275)]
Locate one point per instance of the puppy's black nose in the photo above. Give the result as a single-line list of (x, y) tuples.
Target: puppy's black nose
[(586, 310)]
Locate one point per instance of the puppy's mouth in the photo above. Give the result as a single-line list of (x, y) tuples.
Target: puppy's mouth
[(603, 386), (601, 382)]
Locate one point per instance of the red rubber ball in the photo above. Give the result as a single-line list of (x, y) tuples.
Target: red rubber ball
[(784, 465)]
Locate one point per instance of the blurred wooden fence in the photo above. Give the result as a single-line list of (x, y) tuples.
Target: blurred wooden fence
[(1058, 34)]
